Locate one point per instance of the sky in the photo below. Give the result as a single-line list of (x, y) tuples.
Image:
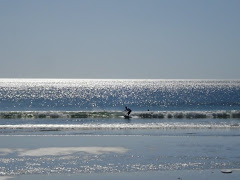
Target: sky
[(125, 39)]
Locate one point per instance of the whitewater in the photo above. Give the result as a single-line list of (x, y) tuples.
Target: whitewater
[(61, 106), (51, 128)]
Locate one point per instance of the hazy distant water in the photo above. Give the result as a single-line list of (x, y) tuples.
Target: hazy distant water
[(156, 95)]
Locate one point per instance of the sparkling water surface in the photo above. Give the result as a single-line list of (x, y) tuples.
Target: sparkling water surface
[(84, 94), (74, 126)]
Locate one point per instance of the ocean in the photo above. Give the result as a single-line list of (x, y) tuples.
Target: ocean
[(113, 95), (177, 124)]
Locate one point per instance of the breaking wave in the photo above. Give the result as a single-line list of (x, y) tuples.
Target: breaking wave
[(118, 126), (119, 114)]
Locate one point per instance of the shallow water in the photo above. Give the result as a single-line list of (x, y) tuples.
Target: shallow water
[(71, 127), (111, 154), (167, 175), (121, 126)]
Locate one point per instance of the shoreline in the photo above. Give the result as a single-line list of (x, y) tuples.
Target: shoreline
[(167, 175), (132, 157)]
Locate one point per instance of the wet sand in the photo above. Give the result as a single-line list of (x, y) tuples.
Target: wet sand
[(117, 157), (167, 175)]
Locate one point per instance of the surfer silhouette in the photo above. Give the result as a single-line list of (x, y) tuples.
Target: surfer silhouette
[(128, 110)]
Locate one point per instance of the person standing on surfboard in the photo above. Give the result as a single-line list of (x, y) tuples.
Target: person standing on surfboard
[(128, 110)]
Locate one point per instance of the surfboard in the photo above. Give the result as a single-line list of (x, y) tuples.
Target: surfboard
[(127, 117)]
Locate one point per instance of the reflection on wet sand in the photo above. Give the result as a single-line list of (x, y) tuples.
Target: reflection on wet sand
[(62, 151)]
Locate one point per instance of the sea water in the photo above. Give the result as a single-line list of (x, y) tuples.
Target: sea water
[(98, 105), (113, 95), (186, 116)]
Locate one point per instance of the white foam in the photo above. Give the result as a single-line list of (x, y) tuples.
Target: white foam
[(170, 125), (119, 114)]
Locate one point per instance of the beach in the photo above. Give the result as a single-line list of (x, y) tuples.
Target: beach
[(168, 175), (116, 156), (77, 129)]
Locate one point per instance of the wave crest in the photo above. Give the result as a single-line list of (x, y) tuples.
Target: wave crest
[(119, 114)]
